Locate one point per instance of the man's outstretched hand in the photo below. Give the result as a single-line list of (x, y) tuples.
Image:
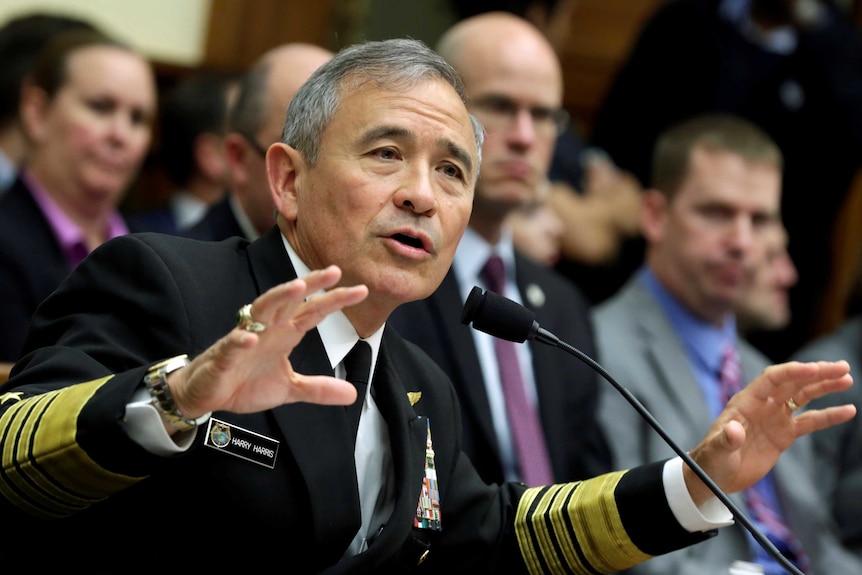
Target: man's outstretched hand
[(758, 424)]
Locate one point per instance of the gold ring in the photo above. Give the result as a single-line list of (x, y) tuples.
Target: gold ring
[(791, 403), (245, 321)]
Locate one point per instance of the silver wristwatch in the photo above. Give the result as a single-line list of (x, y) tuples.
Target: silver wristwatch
[(156, 381)]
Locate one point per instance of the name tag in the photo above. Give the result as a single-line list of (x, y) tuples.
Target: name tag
[(242, 443)]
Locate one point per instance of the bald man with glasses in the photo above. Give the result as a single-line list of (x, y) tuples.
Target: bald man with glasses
[(502, 112), (514, 86)]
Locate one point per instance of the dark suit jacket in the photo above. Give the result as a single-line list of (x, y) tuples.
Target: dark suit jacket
[(218, 223), (155, 220), (31, 265), (75, 490), (567, 388)]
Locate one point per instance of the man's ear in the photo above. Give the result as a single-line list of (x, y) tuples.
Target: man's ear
[(210, 156), (235, 149), (34, 110), (654, 210), (284, 166)]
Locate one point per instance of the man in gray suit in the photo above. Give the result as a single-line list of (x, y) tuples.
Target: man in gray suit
[(839, 452), (716, 192)]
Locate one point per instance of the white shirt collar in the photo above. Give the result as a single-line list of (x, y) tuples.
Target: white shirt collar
[(472, 253), (242, 219), (336, 331)]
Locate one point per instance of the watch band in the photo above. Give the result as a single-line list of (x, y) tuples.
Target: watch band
[(156, 382)]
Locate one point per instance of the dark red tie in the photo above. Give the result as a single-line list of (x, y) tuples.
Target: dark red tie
[(524, 423)]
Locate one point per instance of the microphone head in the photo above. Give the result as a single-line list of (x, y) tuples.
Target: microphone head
[(498, 316), (473, 305)]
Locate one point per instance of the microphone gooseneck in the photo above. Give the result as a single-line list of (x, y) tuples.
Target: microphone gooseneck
[(501, 317)]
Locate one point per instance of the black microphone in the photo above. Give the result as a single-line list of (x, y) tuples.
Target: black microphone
[(501, 317)]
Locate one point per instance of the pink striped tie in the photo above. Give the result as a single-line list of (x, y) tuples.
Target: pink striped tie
[(730, 380), (524, 423)]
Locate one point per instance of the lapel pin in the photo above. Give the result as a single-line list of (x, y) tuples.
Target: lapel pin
[(535, 295)]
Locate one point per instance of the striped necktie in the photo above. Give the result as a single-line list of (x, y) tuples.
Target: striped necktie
[(524, 423), (730, 382)]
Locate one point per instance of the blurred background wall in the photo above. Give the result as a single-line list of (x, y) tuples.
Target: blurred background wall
[(182, 35), (167, 30)]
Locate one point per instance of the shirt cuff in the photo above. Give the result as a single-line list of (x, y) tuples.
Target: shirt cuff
[(144, 425), (711, 515)]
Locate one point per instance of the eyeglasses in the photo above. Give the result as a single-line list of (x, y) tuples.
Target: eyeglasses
[(500, 112), (254, 144)]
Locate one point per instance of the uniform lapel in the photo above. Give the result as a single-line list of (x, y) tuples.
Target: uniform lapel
[(317, 436), (269, 261), (407, 432)]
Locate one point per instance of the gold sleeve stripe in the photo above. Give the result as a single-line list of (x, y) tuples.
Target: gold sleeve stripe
[(574, 528), (44, 470)]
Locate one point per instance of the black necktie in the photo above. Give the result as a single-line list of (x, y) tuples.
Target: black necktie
[(357, 366)]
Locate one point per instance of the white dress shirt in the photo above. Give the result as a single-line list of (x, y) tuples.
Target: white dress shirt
[(470, 258)]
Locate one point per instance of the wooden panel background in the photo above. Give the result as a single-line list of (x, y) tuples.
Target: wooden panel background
[(239, 32), (602, 32)]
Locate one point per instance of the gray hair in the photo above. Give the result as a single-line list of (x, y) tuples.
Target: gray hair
[(393, 64)]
